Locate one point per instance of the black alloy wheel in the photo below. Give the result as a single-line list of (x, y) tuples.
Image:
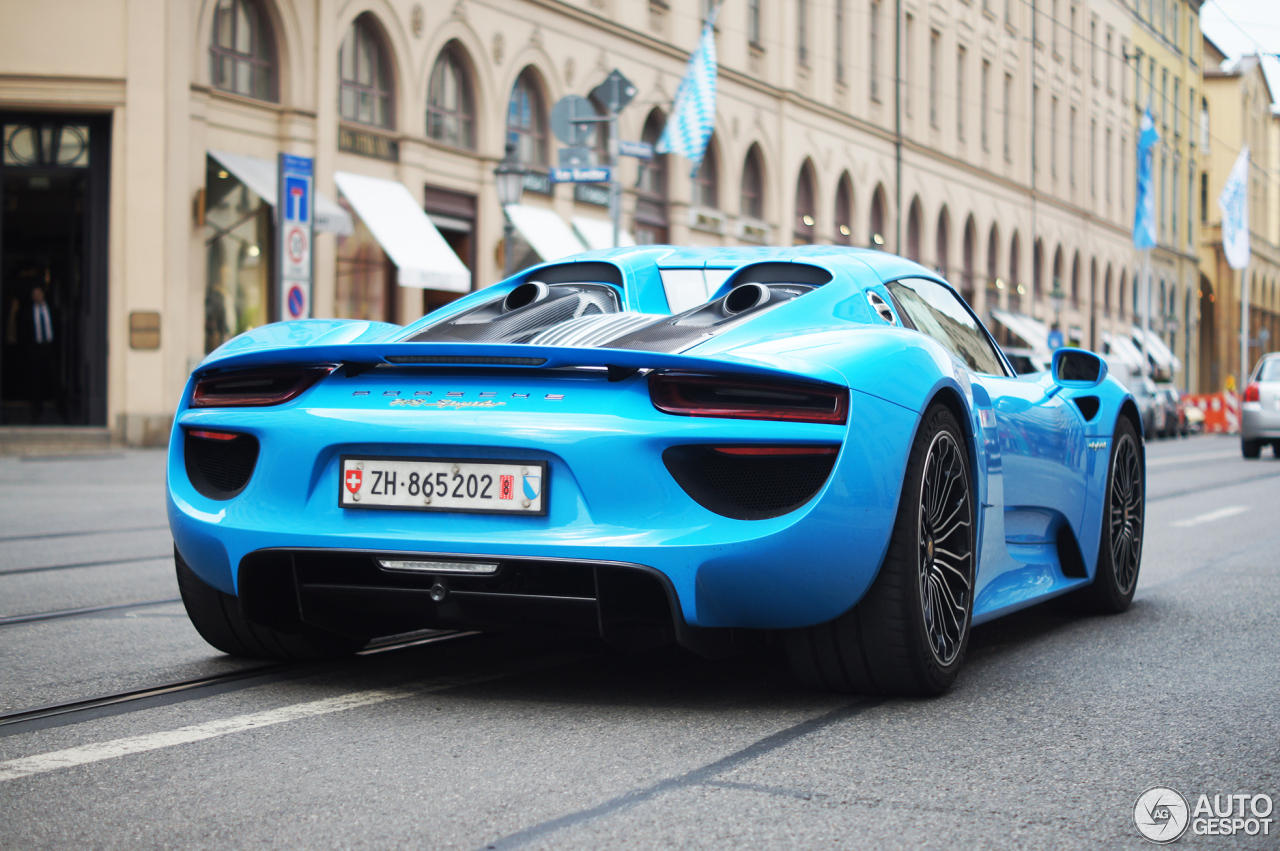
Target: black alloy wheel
[(908, 634), (946, 548)]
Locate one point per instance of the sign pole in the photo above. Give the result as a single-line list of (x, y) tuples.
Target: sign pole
[(295, 234), (1244, 331), (615, 185)]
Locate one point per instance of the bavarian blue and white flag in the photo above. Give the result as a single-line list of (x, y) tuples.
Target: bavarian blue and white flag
[(693, 116), (1144, 211), (1234, 203)]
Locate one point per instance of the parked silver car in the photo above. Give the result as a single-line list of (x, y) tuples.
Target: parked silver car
[(1260, 411)]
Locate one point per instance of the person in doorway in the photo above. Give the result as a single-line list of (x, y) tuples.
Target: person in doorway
[(36, 328)]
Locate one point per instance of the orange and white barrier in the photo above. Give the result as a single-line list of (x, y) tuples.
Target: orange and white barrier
[(1221, 411)]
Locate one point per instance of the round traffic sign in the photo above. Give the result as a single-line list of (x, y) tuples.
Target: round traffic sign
[(563, 115), (296, 244), (297, 302)]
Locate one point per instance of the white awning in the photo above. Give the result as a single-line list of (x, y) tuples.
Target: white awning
[(1032, 331), (403, 230), (260, 176), (598, 233), (1159, 352), (545, 231), (1123, 349)]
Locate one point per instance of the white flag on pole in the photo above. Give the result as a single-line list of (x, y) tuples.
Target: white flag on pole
[(1234, 203)]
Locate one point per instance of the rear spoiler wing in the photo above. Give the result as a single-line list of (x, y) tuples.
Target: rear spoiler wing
[(361, 357)]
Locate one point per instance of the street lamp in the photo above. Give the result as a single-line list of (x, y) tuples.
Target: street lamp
[(508, 177), (1056, 298)]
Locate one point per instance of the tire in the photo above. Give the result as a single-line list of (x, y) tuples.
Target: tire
[(1120, 547), (216, 616), (908, 634), (1250, 448)]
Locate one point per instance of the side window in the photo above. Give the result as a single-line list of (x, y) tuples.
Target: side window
[(937, 312)]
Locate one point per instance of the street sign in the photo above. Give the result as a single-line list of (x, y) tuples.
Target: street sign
[(596, 174), (614, 93), (295, 229), (577, 157), (639, 150), (565, 121)]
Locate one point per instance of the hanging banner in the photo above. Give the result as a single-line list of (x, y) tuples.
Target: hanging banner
[(295, 229)]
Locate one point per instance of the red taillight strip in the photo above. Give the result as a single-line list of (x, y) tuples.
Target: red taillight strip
[(205, 394), (1253, 393), (212, 435), (688, 395), (777, 450)]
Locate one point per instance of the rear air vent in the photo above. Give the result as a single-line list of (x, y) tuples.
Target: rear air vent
[(530, 308), (749, 487), (219, 463), (686, 330), (481, 360), (1088, 406)]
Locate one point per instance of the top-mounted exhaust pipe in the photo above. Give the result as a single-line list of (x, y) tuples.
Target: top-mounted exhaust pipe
[(743, 298)]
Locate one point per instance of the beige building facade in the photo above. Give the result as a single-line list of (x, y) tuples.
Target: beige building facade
[(1238, 107), (991, 139)]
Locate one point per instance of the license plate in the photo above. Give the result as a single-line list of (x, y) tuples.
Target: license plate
[(444, 484)]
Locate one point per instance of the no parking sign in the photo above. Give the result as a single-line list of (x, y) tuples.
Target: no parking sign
[(295, 225)]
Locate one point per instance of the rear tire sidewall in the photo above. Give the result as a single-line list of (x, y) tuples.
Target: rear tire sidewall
[(1107, 594)]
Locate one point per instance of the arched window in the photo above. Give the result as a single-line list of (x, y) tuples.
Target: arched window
[(994, 281), (1075, 281), (1037, 272), (1057, 271), (913, 230), (844, 211), (967, 248), (364, 72), (1120, 302), (527, 118), (242, 50), (1106, 292), (450, 107), (706, 181), (751, 203), (1015, 277), (942, 245), (651, 190), (806, 208), (876, 237)]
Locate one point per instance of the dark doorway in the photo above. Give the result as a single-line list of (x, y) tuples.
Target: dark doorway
[(53, 269)]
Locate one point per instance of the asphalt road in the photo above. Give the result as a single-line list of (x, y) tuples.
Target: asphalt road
[(1054, 728)]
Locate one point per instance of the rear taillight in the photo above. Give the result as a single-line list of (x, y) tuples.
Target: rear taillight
[(1253, 393), (743, 398), (255, 388)]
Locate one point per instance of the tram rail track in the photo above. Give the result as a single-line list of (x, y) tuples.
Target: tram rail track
[(198, 688)]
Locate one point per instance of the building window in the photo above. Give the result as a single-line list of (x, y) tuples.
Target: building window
[(239, 238), (806, 208), (753, 22), (751, 194), (527, 119), (1177, 100), (450, 108), (985, 97), (364, 90), (1008, 118), (1053, 138), (1107, 58), (651, 222), (960, 63), (1093, 49), (908, 55), (1204, 197), (935, 43), (1106, 158), (1075, 41), (1071, 147), (1093, 158), (365, 278), (1035, 121), (840, 41), (802, 32), (1014, 286), (241, 52), (1175, 187), (706, 180), (876, 219), (873, 50), (844, 211), (1191, 215)]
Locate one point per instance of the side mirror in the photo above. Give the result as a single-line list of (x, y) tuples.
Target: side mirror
[(1078, 368)]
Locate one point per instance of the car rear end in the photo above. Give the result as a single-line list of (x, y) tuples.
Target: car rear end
[(587, 493), (1260, 406)]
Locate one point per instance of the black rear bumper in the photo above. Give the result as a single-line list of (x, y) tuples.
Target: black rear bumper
[(632, 607)]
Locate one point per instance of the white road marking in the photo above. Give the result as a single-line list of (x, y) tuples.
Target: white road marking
[(87, 754), (1209, 517), (1180, 459)]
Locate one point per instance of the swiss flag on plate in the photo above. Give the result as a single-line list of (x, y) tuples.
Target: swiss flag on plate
[(354, 478)]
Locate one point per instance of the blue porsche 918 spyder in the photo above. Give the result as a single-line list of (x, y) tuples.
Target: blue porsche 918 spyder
[(656, 445)]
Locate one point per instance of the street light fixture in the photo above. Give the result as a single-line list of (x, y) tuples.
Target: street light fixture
[(1056, 298), (508, 178)]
